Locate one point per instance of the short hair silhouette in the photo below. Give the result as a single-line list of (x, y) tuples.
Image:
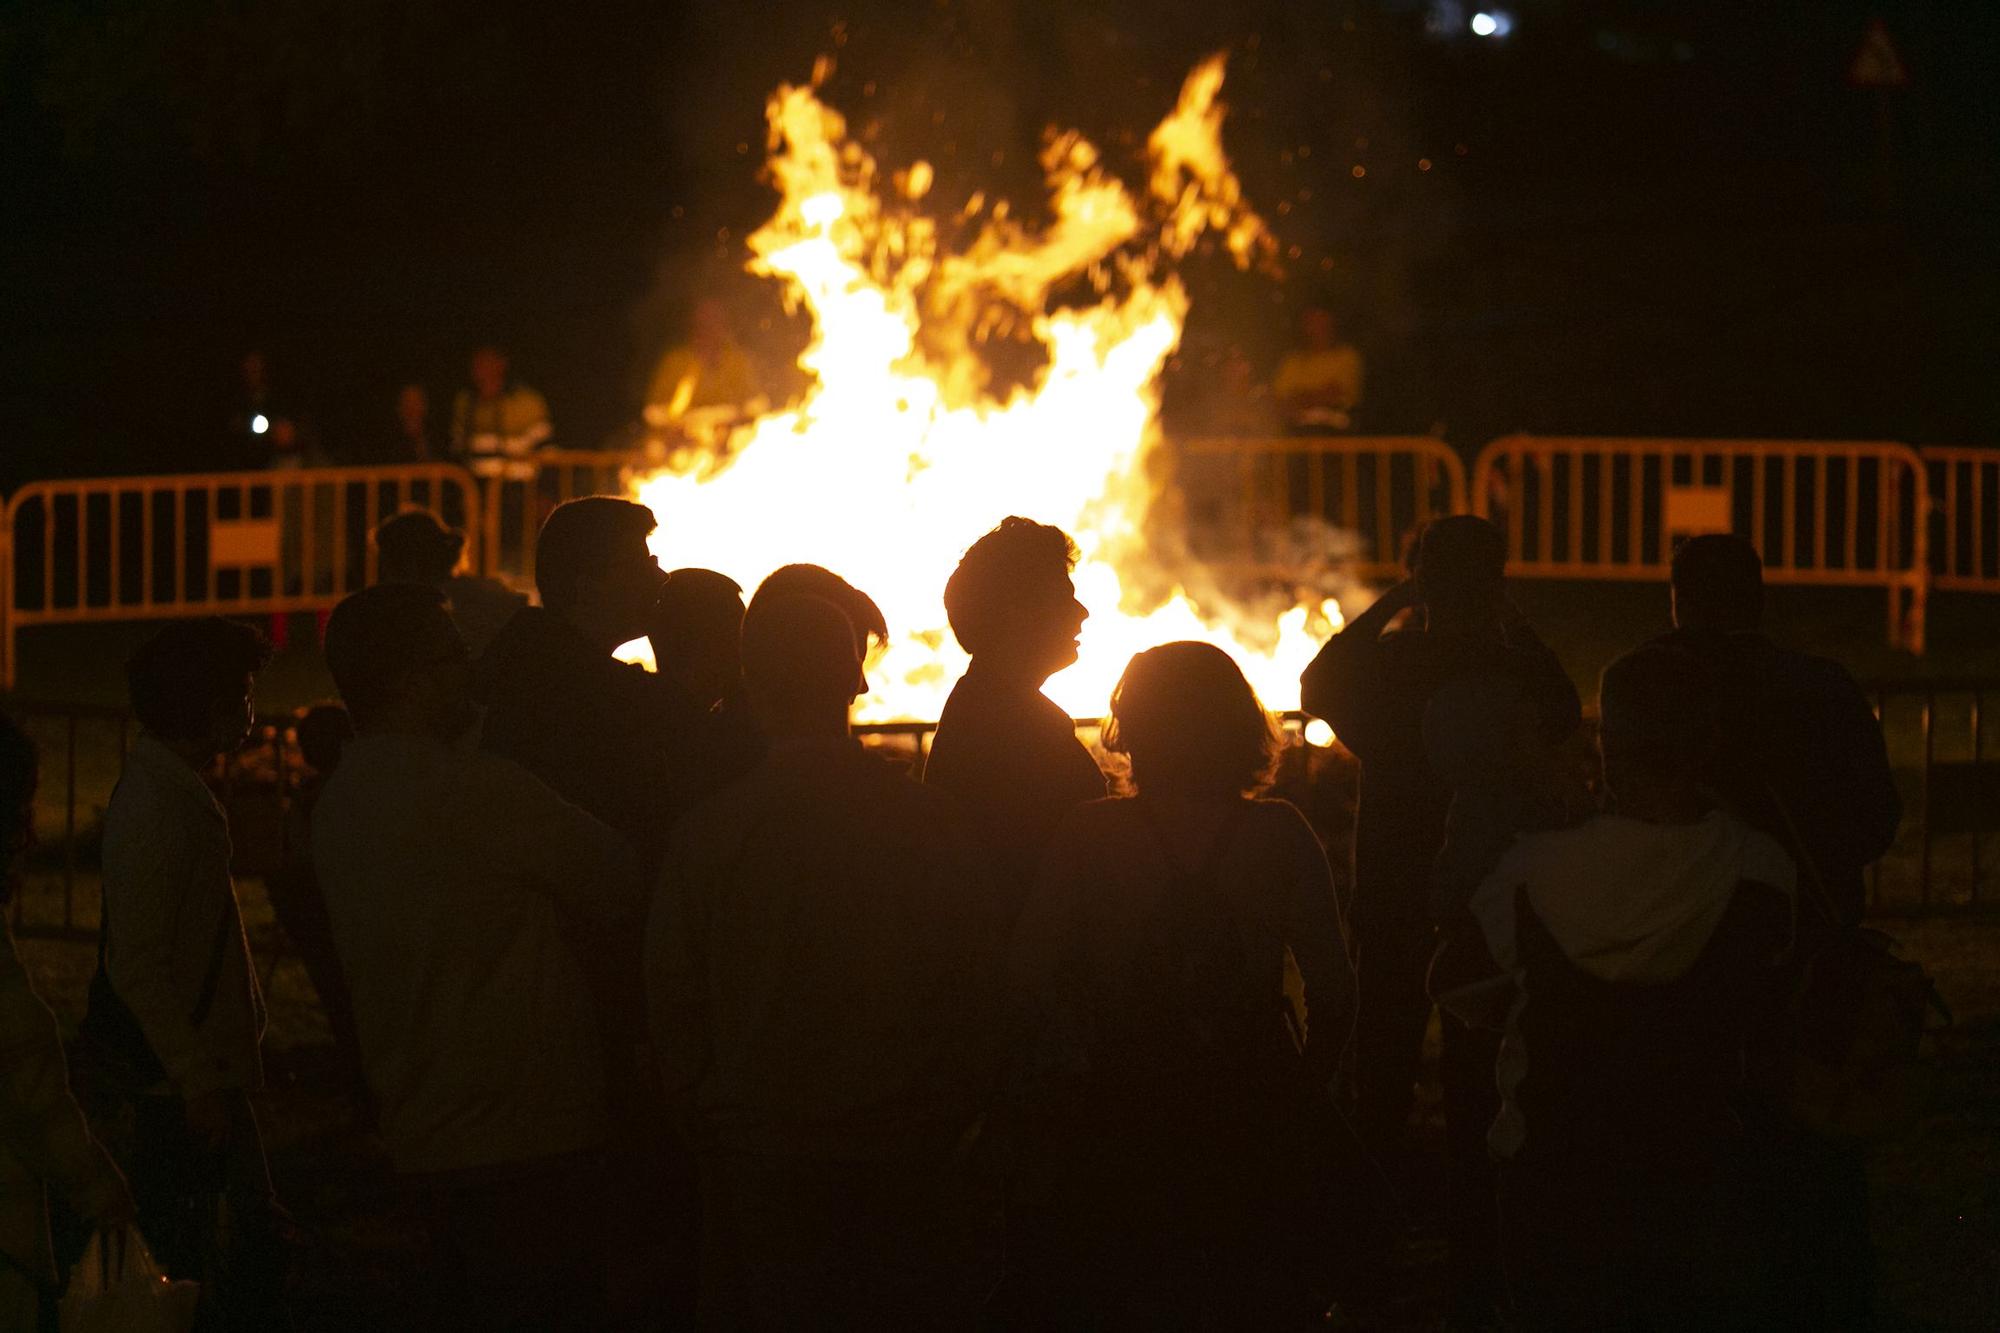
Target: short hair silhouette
[(1718, 582), (580, 539), (818, 581), (1657, 708), (994, 570), (380, 637), (1461, 561), (799, 653), (20, 772), (1191, 724), (323, 731), (698, 608), (182, 676), (415, 546)]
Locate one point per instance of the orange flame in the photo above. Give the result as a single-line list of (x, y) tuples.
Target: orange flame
[(899, 455)]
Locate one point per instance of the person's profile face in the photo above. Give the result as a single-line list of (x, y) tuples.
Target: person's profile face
[(1318, 327), (232, 720), (630, 588), (1051, 623)]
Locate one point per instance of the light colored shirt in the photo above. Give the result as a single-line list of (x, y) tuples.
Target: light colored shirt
[(168, 897), (447, 875), (1626, 901), (687, 381)]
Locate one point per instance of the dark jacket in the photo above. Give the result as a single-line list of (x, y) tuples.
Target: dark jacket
[(1375, 693), (604, 734), (1798, 728), (1012, 759)]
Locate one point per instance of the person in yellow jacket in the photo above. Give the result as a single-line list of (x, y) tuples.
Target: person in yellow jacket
[(706, 376), (497, 423), (44, 1141)]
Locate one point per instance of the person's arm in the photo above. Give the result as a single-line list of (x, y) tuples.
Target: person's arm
[(1343, 681), (147, 891), (40, 1121), (1317, 939), (1859, 808), (1548, 685), (579, 862)]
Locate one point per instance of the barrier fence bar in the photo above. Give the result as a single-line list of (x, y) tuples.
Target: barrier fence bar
[(1964, 518), (1951, 796), (1847, 513), (1244, 495), (238, 543)]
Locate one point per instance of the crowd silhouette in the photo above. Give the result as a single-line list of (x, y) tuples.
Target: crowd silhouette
[(669, 964)]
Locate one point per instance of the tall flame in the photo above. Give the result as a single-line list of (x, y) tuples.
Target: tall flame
[(900, 455)]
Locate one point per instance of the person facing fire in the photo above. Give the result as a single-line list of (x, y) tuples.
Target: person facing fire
[(496, 423), (1318, 384), (1376, 690), (1008, 753), (821, 968)]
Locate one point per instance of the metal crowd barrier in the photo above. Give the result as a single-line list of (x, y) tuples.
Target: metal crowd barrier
[(1965, 518), (235, 543), (1847, 513), (1951, 812), (1244, 494)]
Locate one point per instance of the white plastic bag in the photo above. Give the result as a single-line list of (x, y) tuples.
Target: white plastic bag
[(117, 1288)]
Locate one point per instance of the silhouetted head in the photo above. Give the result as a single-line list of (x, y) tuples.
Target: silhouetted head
[(698, 633), (859, 608), (323, 731), (400, 663), (414, 547), (19, 772), (1191, 724), (1319, 327), (489, 371), (1657, 729), (1461, 569), (593, 568), (413, 409), (800, 666), (191, 683), (1718, 584), (1011, 601)]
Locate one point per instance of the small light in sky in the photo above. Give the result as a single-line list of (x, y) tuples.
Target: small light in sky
[(1494, 24), (259, 424), (1318, 733)]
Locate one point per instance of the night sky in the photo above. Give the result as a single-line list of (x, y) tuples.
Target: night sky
[(1639, 218)]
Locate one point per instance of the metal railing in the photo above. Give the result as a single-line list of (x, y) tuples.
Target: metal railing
[(1964, 518), (1843, 513), (82, 752), (1243, 494), (236, 543), (1951, 796)]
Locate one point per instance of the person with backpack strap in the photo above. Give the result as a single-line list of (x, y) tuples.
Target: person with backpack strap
[(1183, 989)]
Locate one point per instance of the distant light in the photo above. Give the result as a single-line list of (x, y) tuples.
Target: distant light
[(1318, 733), (1495, 24), (259, 424)]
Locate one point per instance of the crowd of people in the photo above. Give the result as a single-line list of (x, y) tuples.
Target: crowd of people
[(674, 1004)]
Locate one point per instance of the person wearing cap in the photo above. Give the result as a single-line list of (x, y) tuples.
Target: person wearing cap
[(414, 547)]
